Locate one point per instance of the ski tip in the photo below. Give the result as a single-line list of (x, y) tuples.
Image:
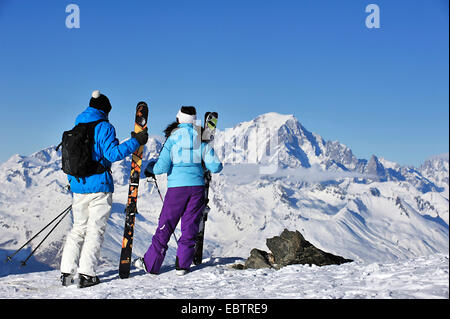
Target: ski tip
[(213, 114), (142, 103)]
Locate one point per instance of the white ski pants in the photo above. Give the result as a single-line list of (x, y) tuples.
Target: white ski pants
[(82, 248)]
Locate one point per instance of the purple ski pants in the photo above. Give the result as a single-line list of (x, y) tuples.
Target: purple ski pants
[(185, 203)]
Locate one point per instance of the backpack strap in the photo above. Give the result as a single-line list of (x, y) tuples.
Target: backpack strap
[(57, 147), (100, 167)]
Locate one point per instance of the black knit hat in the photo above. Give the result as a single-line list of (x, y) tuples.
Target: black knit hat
[(189, 110), (100, 102), (187, 114)]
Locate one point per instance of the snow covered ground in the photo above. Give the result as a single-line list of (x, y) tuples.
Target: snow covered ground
[(421, 277)]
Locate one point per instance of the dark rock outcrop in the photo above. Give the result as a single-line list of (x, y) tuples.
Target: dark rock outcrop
[(258, 259), (287, 249), (292, 248)]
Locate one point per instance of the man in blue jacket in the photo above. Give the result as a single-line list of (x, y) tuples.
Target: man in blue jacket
[(92, 195), (181, 158)]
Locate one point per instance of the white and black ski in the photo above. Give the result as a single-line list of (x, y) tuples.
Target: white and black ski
[(207, 136)]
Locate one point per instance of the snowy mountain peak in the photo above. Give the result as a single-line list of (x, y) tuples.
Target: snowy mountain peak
[(274, 119), (436, 169), (272, 137)]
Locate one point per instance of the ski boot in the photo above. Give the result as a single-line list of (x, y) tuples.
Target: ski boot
[(139, 263), (87, 281), (66, 279), (180, 271)]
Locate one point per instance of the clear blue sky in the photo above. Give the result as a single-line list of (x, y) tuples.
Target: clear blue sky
[(379, 91)]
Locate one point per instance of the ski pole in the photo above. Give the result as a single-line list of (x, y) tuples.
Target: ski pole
[(23, 263), (8, 258), (160, 196), (157, 188)]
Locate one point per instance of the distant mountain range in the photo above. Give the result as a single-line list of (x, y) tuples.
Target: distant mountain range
[(297, 147)]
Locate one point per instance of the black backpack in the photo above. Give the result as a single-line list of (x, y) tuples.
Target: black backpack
[(76, 149)]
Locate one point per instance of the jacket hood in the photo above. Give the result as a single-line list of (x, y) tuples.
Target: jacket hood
[(90, 115)]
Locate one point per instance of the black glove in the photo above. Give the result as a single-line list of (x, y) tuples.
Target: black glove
[(142, 137), (148, 172)]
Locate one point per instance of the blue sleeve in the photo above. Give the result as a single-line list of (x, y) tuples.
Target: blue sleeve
[(112, 150), (211, 160), (164, 162)]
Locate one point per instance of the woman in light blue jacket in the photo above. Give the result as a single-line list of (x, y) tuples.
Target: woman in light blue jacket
[(183, 157)]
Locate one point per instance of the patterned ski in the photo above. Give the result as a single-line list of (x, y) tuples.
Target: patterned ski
[(131, 209), (207, 136)]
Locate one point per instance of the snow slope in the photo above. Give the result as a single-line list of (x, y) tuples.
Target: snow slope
[(372, 211), (419, 277)]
